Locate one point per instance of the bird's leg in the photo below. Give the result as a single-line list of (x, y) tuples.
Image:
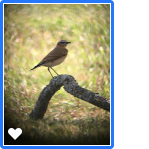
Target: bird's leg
[(54, 70), (50, 72)]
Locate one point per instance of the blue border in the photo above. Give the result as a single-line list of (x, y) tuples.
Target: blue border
[(112, 69), (112, 74)]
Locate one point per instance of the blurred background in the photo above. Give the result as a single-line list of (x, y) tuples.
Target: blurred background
[(31, 31)]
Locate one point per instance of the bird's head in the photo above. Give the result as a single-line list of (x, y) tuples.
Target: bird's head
[(63, 43)]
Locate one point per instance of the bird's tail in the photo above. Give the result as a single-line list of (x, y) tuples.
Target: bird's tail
[(35, 67)]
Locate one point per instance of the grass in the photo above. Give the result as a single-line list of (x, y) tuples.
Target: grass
[(31, 32)]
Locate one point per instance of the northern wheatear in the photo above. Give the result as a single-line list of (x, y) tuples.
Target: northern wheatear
[(55, 57)]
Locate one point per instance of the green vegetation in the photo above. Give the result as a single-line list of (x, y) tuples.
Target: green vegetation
[(31, 32)]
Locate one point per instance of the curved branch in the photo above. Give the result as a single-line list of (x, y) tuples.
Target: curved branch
[(70, 86)]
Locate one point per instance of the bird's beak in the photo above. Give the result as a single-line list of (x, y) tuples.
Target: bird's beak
[(68, 42)]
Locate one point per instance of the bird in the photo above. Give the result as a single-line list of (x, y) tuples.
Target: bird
[(55, 57)]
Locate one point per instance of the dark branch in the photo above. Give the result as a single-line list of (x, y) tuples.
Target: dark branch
[(70, 86)]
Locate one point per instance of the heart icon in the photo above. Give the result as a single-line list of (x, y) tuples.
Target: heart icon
[(15, 133)]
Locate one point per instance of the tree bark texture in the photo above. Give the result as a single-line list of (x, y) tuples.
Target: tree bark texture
[(70, 86)]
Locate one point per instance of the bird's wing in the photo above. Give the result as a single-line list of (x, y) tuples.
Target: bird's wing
[(53, 55)]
